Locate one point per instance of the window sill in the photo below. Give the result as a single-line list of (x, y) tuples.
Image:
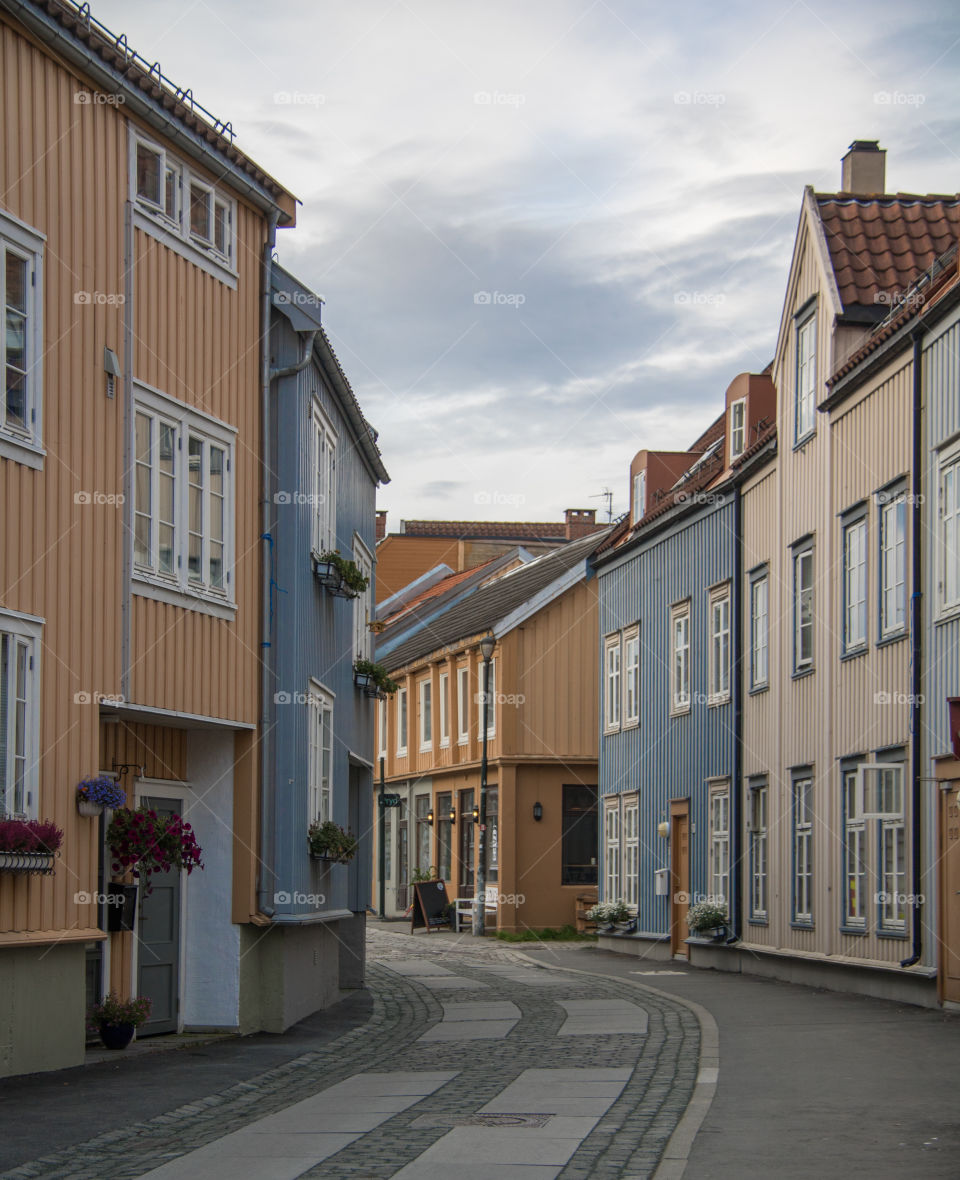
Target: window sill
[(893, 637), (402, 753), (859, 931), (795, 925), (427, 749), (898, 935), (684, 712), (219, 608), (947, 614), (758, 921), (801, 673), (611, 731), (445, 744), (717, 702), (160, 228), (800, 443), (854, 653), (21, 450), (758, 689), (633, 724)]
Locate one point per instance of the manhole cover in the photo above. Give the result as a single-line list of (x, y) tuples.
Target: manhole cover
[(507, 1120)]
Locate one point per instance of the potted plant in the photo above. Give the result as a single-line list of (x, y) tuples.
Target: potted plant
[(144, 842), (95, 795), (29, 845), (373, 678), (117, 1020), (328, 841), (610, 914), (707, 915), (340, 575)]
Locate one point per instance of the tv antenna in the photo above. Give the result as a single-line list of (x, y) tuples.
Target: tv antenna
[(607, 495)]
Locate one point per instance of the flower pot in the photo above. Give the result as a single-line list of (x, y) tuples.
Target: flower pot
[(86, 807), (627, 926), (27, 862), (117, 1036)]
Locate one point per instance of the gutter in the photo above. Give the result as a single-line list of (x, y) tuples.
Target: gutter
[(736, 786), (129, 448)]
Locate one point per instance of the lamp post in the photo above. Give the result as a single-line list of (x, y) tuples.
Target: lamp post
[(487, 644)]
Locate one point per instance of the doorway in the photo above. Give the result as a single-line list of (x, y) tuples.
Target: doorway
[(679, 876), (465, 817), (158, 963), (950, 894)]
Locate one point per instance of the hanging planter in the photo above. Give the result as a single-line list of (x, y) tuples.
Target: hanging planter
[(29, 846), (340, 576), (96, 795), (328, 841), (141, 840), (373, 679)]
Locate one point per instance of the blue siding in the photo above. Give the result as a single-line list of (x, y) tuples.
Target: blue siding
[(670, 757)]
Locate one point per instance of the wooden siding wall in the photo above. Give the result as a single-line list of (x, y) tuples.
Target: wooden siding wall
[(160, 750)]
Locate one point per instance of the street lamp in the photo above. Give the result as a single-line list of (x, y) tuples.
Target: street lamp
[(487, 644)]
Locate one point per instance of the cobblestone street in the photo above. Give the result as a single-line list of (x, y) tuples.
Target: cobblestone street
[(475, 1058)]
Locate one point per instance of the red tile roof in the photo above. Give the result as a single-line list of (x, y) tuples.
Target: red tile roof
[(491, 530), (440, 587), (882, 244)]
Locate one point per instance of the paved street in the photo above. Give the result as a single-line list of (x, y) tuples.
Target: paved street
[(475, 1059)]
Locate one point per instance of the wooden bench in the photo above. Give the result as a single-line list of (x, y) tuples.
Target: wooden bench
[(463, 906)]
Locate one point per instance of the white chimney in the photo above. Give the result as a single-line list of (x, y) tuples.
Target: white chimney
[(864, 169)]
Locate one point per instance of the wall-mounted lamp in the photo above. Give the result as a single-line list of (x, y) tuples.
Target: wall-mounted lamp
[(538, 812), (663, 829), (475, 815), (111, 366), (430, 817), (452, 816)]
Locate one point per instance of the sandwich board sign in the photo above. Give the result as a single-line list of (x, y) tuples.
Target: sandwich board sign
[(430, 905)]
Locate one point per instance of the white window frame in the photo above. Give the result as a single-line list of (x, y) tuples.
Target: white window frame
[(801, 557), (630, 673), (892, 906), (630, 840), (738, 428), (363, 603), (443, 708), (758, 825), (177, 586), (492, 713), (680, 695), (805, 399), (24, 444), (855, 857), (612, 851), (463, 704), (403, 722), (320, 760), (324, 474), (19, 785), (893, 565), (425, 712), (720, 606), (802, 856), (720, 843), (639, 495), (854, 566), (612, 683), (382, 707), (760, 631), (948, 531)]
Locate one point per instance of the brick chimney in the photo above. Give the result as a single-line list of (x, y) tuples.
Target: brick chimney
[(381, 523), (863, 170), (580, 522)]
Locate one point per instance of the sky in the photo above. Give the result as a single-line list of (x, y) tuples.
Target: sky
[(549, 233)]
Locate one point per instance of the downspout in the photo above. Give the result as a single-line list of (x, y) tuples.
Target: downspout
[(736, 786), (126, 555), (267, 826), (301, 364), (916, 645)]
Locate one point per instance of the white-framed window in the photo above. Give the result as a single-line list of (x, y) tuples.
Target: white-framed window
[(720, 645), (183, 499), (631, 852), (631, 677), (20, 638), (611, 680), (443, 708), (382, 728), (855, 585), (21, 343), (680, 658), (805, 407), (492, 707), (760, 631), (401, 722), (803, 608), (157, 180), (320, 721), (324, 482), (425, 692), (720, 844), (738, 428), (948, 540), (363, 603), (639, 495), (758, 804), (893, 852), (893, 565), (463, 704), (611, 844), (803, 850), (854, 856)]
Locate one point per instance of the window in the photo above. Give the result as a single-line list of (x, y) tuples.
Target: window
[(949, 532), (855, 586), (803, 851), (382, 728), (324, 483), (738, 428), (183, 499), (21, 343), (492, 701), (805, 406), (19, 715), (893, 566), (401, 722), (803, 609), (639, 495), (758, 853), (631, 678), (158, 180), (444, 836), (893, 856), (611, 664), (760, 631), (611, 874), (578, 843), (363, 603), (631, 852), (720, 845), (320, 720), (463, 705), (425, 689), (680, 658), (720, 645), (443, 708), (421, 810), (854, 856)]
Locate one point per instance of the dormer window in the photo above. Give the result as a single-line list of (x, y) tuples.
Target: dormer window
[(639, 495), (738, 429)]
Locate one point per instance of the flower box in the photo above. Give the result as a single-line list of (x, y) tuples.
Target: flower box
[(40, 863)]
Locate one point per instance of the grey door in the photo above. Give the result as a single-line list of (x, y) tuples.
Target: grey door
[(158, 974)]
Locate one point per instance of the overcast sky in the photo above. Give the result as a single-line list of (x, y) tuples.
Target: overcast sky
[(550, 232)]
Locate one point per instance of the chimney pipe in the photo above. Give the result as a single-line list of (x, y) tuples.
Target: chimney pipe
[(381, 523), (863, 170)]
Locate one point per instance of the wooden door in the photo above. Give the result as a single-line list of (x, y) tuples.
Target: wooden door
[(679, 876), (159, 940), (949, 957)]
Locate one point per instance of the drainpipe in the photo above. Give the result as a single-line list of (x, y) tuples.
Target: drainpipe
[(126, 552), (267, 826), (736, 787), (916, 645), (308, 339)]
